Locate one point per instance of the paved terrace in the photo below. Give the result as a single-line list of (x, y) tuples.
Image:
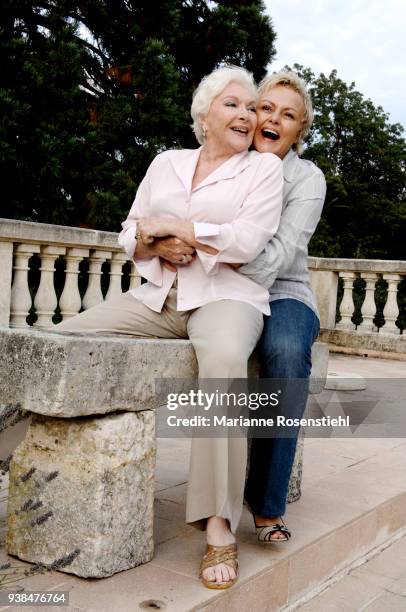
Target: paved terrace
[(353, 507)]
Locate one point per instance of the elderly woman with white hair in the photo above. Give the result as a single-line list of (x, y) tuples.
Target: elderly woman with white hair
[(224, 201), (285, 115)]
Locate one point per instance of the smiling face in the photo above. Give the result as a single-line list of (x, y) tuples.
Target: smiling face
[(280, 113), (230, 123)]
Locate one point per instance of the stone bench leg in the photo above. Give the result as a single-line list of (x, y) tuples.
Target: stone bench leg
[(84, 484), (295, 482)]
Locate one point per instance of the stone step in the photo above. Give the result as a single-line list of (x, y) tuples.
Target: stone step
[(354, 499), (350, 505), (377, 583)]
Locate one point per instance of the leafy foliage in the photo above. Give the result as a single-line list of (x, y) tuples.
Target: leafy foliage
[(90, 91), (363, 157)]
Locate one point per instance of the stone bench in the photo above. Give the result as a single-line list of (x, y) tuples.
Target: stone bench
[(82, 481)]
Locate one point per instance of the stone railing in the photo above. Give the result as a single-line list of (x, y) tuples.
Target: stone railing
[(21, 242), (107, 272), (342, 330)]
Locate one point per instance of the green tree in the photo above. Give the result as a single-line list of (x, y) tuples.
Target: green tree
[(90, 91), (43, 113), (363, 157)]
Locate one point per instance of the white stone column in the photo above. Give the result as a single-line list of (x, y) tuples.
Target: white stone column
[(6, 267), (45, 300), (135, 278), (347, 303), (93, 293), (116, 267), (324, 284), (368, 309), (70, 300), (391, 310), (21, 300)]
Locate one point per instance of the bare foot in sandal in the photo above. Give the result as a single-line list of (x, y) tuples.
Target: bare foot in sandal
[(219, 575)]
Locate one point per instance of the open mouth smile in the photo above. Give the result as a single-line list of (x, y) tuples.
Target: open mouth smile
[(270, 134), (240, 130)]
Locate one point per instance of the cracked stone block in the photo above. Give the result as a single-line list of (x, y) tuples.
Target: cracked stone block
[(81, 493), (73, 375)]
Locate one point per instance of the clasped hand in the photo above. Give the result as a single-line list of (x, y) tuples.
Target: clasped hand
[(158, 237), (150, 228), (155, 237), (174, 251)]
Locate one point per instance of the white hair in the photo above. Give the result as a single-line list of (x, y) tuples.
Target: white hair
[(211, 86), (291, 79)]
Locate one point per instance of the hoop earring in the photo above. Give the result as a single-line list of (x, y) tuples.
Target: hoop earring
[(204, 130)]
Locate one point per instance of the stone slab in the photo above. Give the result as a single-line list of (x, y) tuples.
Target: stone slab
[(68, 376), (84, 485), (16, 231), (345, 381), (73, 375), (365, 341), (340, 264)]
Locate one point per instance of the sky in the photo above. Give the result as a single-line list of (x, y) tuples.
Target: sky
[(365, 40)]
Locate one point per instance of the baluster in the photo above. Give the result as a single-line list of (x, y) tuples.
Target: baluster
[(21, 300), (347, 303), (368, 309), (94, 293), (45, 300), (116, 266), (70, 300), (135, 278), (391, 310)]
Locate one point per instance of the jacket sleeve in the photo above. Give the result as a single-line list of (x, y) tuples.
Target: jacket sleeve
[(151, 269), (256, 222), (299, 220)]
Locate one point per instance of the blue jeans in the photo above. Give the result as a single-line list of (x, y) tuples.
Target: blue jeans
[(285, 353)]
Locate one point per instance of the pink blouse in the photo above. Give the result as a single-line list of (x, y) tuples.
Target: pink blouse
[(236, 210)]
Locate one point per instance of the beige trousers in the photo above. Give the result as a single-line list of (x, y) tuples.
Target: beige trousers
[(223, 334)]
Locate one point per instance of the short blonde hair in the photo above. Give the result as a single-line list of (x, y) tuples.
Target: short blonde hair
[(211, 86), (291, 79)]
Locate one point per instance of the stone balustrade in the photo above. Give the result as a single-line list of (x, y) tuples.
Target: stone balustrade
[(326, 275), (22, 242)]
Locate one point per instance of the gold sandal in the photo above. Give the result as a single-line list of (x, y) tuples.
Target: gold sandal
[(219, 554)]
